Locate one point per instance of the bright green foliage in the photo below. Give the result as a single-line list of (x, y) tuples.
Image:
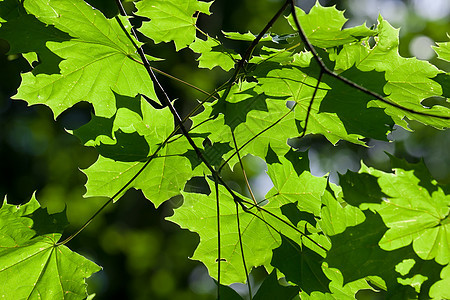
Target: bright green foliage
[(98, 44), (245, 36), (171, 20), (327, 241), (199, 214), (125, 141), (32, 265), (440, 289), (323, 26), (213, 54), (443, 50), (409, 80), (414, 214)]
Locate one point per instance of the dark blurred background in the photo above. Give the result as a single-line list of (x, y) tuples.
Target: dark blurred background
[(144, 256)]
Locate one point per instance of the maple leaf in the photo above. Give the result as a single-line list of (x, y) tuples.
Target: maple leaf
[(32, 264), (213, 53), (323, 27), (125, 142), (171, 20), (98, 60)]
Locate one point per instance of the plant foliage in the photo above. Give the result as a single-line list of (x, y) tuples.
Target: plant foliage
[(391, 230)]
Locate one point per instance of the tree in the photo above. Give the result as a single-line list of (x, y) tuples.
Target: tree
[(380, 229)]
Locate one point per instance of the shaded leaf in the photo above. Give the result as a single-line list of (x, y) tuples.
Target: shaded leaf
[(360, 188), (300, 265), (271, 289), (356, 253)]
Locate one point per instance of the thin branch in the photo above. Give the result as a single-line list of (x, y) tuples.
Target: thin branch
[(219, 245), (255, 42), (308, 112), (176, 79), (242, 168), (242, 252)]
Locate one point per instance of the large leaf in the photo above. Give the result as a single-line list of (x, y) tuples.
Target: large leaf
[(98, 60), (258, 229), (171, 20), (415, 216), (356, 253), (297, 83), (416, 210), (125, 142), (32, 265), (198, 214), (305, 188), (408, 80)]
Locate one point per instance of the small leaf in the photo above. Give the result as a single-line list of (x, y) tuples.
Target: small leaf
[(443, 50), (171, 20), (250, 37), (323, 27), (213, 53)]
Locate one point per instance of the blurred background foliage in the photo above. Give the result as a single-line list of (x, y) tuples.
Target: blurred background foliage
[(144, 256)]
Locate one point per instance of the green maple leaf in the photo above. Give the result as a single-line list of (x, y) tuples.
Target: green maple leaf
[(443, 50), (356, 253), (125, 142), (337, 216), (198, 214), (248, 36), (33, 36), (301, 266), (408, 80), (440, 289), (295, 82), (415, 210), (292, 187), (171, 20), (323, 27), (32, 265), (250, 116), (213, 54), (415, 216), (98, 60)]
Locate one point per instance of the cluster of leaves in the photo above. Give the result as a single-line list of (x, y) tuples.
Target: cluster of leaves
[(390, 231)]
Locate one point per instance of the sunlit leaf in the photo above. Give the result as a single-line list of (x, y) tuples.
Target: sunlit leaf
[(32, 265)]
